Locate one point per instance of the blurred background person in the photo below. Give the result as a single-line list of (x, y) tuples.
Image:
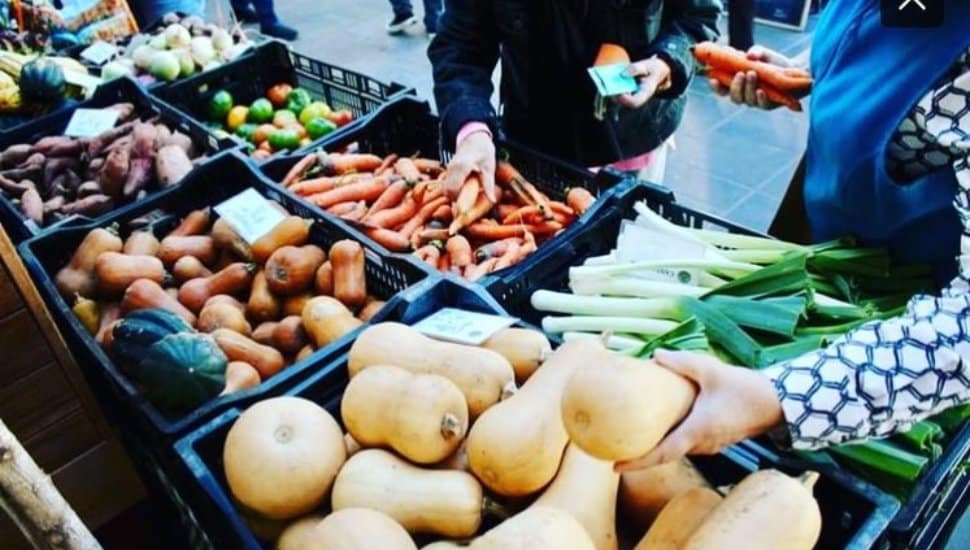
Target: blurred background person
[(404, 16), (262, 12)]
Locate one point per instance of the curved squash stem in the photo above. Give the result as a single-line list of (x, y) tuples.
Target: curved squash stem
[(508, 390), (495, 510), (808, 480), (451, 427)]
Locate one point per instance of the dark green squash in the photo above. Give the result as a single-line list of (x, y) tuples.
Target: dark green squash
[(42, 80), (139, 330), (182, 371)]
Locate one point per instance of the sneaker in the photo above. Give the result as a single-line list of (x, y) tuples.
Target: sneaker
[(246, 14), (279, 30), (400, 23)]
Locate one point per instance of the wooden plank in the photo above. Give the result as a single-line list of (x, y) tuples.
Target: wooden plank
[(61, 443), (36, 401), (10, 300), (26, 347)]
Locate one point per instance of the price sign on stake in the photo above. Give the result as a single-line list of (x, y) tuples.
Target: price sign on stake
[(642, 244), (462, 327), (250, 214), (91, 122)]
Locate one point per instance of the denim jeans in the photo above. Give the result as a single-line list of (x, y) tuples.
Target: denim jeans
[(432, 9)]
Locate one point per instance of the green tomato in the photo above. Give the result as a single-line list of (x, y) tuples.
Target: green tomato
[(317, 109), (297, 100), (284, 139), (219, 105), (246, 130), (319, 127), (260, 111)]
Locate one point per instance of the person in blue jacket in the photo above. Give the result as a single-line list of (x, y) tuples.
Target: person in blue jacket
[(887, 159)]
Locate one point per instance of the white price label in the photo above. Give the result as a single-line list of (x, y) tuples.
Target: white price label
[(641, 244), (250, 214), (91, 122), (99, 53), (86, 82), (463, 327)]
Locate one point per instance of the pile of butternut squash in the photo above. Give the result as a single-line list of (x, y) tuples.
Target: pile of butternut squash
[(441, 442), (267, 304)]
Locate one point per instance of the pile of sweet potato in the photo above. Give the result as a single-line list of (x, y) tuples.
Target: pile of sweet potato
[(59, 176)]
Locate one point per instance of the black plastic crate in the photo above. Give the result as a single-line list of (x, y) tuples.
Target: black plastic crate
[(853, 515), (121, 90), (407, 127), (248, 78), (212, 183)]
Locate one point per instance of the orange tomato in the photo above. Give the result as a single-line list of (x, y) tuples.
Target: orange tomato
[(277, 94), (262, 133), (264, 146), (341, 117)]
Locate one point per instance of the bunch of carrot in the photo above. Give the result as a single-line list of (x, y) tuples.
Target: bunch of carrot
[(780, 84), (400, 202)]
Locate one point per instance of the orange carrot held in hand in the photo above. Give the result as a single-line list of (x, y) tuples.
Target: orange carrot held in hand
[(771, 93), (481, 207), (391, 240), (580, 200), (367, 190), (391, 197), (732, 61), (406, 169), (336, 164), (299, 169), (459, 250), (468, 195)]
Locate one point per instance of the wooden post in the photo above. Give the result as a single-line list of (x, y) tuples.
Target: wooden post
[(36, 506)]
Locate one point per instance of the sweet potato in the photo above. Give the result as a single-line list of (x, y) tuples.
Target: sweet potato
[(32, 173), (139, 175), (143, 140), (88, 188), (179, 140), (54, 205), (162, 135), (114, 173), (47, 144), (35, 159), (171, 165), (98, 144), (14, 188), (32, 206), (15, 154), (92, 205)]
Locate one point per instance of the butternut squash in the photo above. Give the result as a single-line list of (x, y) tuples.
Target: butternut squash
[(189, 267), (305, 352), (353, 447), (618, 408), (115, 271), (88, 312), (240, 376), (585, 487), (263, 333), (516, 446), (289, 336), (768, 510), (195, 222), (443, 545), (349, 277), (482, 375), (291, 269), (141, 243), (281, 456), (536, 528), (202, 247), (225, 299), (265, 359), (323, 279), (145, 293), (457, 461), (301, 534), (367, 313), (525, 350), (291, 231), (228, 240), (263, 305), (421, 416), (361, 529), (108, 314), (423, 501), (221, 314), (77, 277), (679, 519), (294, 305), (234, 279), (326, 320), (644, 493)]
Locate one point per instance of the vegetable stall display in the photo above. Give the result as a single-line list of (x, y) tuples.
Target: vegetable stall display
[(32, 85), (58, 176), (749, 300), (559, 489), (241, 312), (400, 203)]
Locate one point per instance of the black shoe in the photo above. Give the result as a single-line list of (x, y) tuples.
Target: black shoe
[(400, 23), (279, 30), (246, 14)]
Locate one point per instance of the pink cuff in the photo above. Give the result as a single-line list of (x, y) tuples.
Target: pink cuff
[(470, 128)]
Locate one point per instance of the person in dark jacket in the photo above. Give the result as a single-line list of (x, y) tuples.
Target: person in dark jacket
[(547, 97)]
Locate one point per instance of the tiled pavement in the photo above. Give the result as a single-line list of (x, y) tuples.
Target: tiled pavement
[(731, 161)]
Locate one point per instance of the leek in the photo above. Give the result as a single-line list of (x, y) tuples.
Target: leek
[(953, 418), (923, 437), (561, 302), (774, 318), (687, 336), (636, 325), (892, 468), (634, 287), (581, 272), (616, 342)]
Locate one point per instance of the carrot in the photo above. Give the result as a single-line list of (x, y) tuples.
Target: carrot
[(494, 249), (772, 93), (367, 190), (386, 164), (561, 208), (493, 232), (508, 176), (443, 213), (393, 217), (429, 166), (422, 217), (391, 197), (299, 169), (391, 240), (358, 213), (459, 250), (463, 219), (337, 164), (429, 253), (343, 208), (326, 183), (505, 173), (433, 192), (475, 272), (444, 263), (580, 200), (732, 61), (509, 258), (406, 168), (520, 214), (468, 195), (431, 234)]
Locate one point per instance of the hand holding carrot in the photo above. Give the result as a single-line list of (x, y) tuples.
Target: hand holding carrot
[(475, 154), (759, 77)]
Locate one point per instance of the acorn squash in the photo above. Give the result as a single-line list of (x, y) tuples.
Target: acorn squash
[(42, 80), (139, 330), (182, 371)]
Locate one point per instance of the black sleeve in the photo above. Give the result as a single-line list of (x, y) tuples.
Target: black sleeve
[(684, 24), (463, 56)]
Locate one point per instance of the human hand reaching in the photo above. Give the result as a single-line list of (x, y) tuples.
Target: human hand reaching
[(732, 404), (652, 76), (745, 87), (474, 154)]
